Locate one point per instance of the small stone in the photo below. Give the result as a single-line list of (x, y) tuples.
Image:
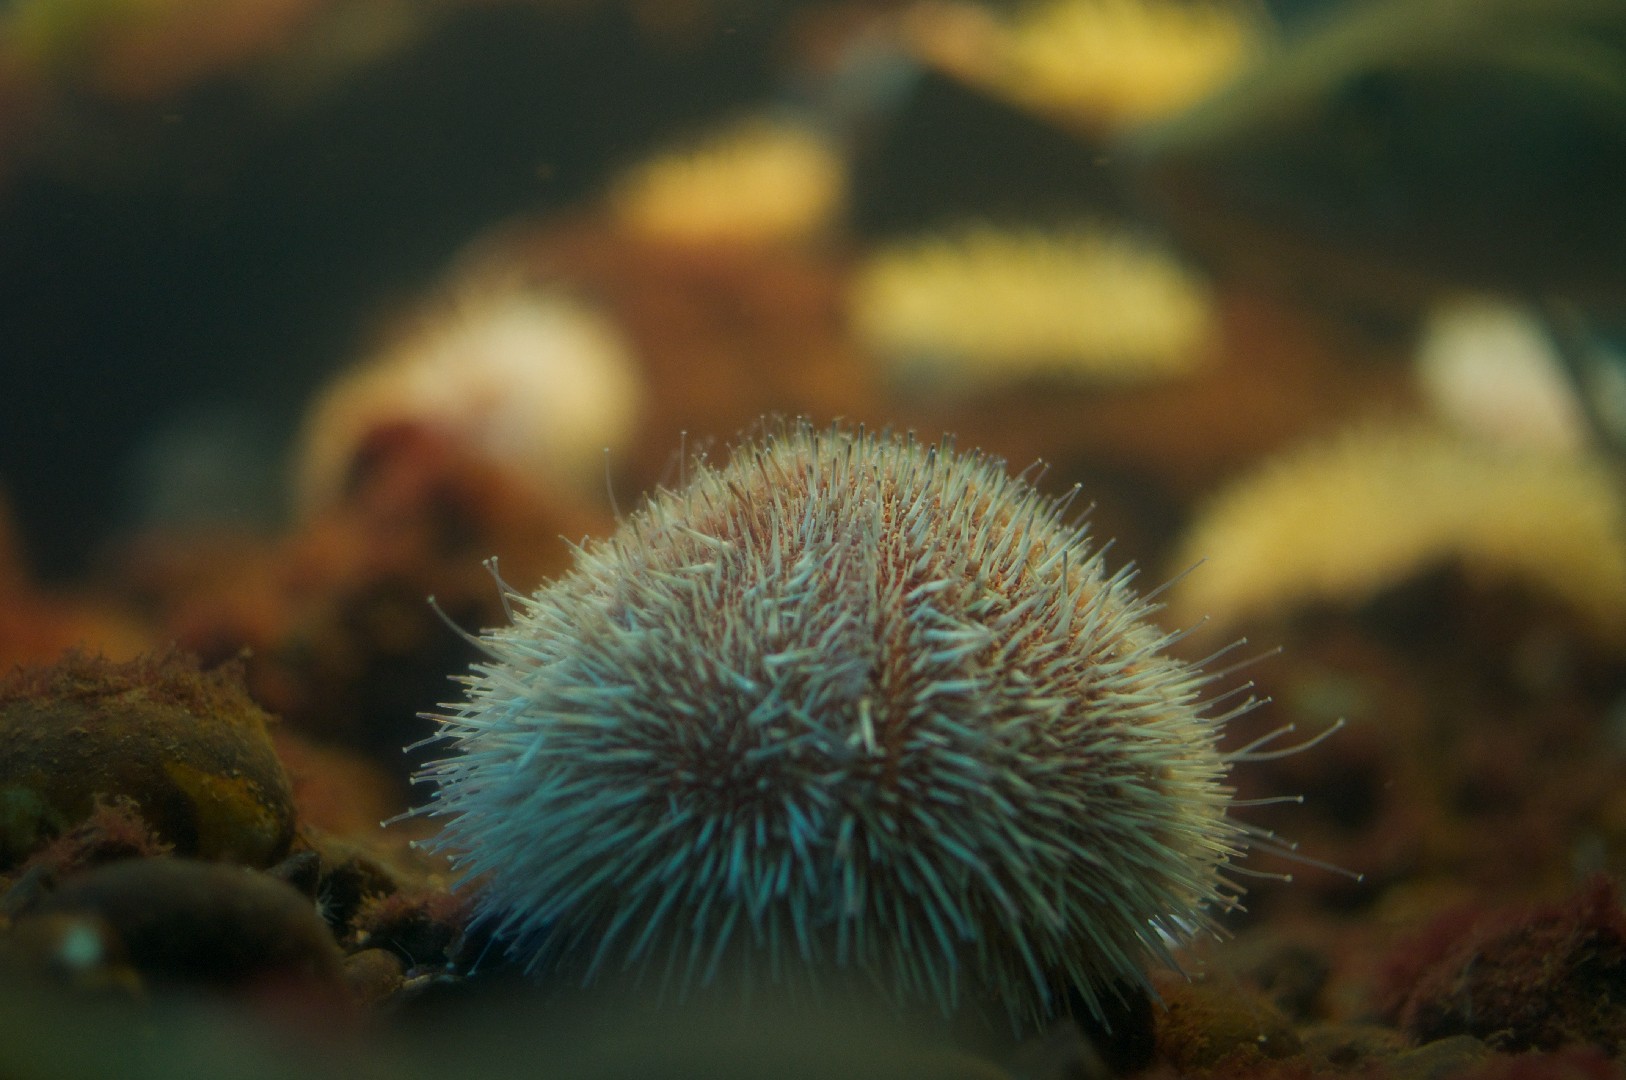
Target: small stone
[(1348, 1046), (1439, 1059), (207, 925), (80, 951), (374, 976)]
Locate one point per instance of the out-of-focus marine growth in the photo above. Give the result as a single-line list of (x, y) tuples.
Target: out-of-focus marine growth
[(148, 49), (536, 380), (1091, 64), (1414, 145), (1491, 368), (1338, 520), (962, 312), (760, 179)]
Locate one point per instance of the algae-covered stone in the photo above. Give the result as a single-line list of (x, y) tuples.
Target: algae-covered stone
[(188, 748), (1214, 1024)]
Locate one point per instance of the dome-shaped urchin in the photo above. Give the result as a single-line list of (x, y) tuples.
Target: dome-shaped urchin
[(850, 703)]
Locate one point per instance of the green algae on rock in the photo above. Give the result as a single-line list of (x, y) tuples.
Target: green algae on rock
[(188, 748)]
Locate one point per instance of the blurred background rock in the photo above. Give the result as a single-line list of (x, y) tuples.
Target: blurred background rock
[(210, 208)]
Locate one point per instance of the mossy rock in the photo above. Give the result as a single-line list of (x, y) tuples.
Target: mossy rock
[(188, 748)]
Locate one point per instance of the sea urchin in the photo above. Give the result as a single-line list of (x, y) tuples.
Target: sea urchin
[(850, 706)]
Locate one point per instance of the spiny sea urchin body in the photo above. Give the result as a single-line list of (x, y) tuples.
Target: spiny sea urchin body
[(850, 706)]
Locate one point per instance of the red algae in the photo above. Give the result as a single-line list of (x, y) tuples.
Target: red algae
[(114, 830), (422, 926), (1574, 1063), (165, 679), (1538, 978)]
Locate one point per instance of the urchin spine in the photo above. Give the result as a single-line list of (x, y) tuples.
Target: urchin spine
[(849, 703)]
